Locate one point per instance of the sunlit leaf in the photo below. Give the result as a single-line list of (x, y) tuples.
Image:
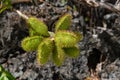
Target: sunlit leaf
[(65, 38), (64, 22), (58, 56), (32, 32), (31, 43), (72, 51), (38, 26), (44, 51)]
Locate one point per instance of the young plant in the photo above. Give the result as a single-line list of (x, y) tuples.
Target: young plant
[(52, 45), (5, 75)]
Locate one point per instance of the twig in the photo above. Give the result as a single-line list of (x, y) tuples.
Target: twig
[(102, 4), (22, 15)]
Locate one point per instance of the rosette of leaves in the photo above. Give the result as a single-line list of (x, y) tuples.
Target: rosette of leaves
[(5, 75), (52, 45)]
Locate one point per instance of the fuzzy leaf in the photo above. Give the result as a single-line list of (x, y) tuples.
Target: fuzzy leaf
[(38, 26), (32, 32), (31, 43), (58, 56), (44, 51), (65, 39), (72, 52), (63, 23)]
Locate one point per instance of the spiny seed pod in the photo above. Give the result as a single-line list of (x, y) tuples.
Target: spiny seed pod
[(65, 38), (58, 55), (72, 51), (64, 22), (38, 26), (44, 51), (31, 43)]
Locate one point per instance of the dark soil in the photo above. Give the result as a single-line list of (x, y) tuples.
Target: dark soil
[(100, 48)]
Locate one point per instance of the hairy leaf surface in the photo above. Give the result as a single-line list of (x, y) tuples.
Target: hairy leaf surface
[(72, 52), (65, 38), (32, 32), (38, 26), (44, 51), (31, 43), (63, 23), (58, 56)]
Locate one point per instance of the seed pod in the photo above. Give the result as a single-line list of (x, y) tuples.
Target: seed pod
[(38, 26), (63, 23), (31, 43), (72, 51), (44, 51), (65, 39), (58, 56)]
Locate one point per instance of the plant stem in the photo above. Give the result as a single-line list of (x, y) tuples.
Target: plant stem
[(22, 15)]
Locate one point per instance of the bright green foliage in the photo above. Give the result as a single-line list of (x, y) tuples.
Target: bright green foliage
[(44, 51), (50, 45), (72, 51), (31, 43), (5, 75), (58, 55), (5, 4), (63, 23), (32, 32), (65, 38), (38, 26)]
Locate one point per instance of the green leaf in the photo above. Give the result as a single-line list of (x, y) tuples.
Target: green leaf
[(64, 22), (32, 32), (31, 43), (72, 51), (5, 75), (38, 26), (58, 56), (66, 39), (44, 51)]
